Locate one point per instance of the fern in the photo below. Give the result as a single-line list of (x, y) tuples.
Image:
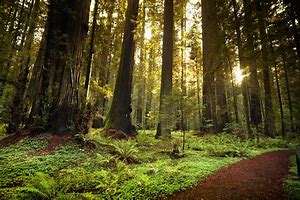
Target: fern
[(125, 151), (42, 186)]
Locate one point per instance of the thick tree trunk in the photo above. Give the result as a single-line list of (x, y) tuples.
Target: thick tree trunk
[(214, 96), (210, 51), (269, 120), (59, 91), (119, 114), (167, 68), (35, 81)]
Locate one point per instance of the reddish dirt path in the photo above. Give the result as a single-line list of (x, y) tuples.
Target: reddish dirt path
[(14, 138), (258, 179), (53, 142)]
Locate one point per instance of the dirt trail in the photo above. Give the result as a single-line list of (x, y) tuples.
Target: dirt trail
[(258, 179)]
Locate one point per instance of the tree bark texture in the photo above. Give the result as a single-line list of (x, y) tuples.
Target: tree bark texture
[(119, 114), (167, 70), (269, 120), (59, 91)]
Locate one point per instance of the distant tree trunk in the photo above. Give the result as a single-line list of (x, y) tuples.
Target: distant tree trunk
[(288, 91), (198, 94), (119, 114), (250, 60), (149, 88), (140, 91), (167, 68), (18, 100), (16, 33), (243, 65), (269, 120), (235, 105), (183, 75), (91, 53), (25, 26), (278, 90), (105, 59), (59, 92), (221, 99)]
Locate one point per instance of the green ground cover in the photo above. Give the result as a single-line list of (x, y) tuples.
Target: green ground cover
[(138, 169)]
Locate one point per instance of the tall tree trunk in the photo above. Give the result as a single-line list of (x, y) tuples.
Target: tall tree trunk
[(288, 91), (59, 91), (210, 51), (183, 74), (141, 81), (149, 95), (119, 114), (214, 95), (91, 52), (18, 100), (221, 99), (35, 80), (269, 120), (198, 93), (278, 90), (243, 65), (235, 105), (164, 123), (250, 60)]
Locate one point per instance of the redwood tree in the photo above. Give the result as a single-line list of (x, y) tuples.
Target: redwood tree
[(120, 110), (167, 67), (58, 96)]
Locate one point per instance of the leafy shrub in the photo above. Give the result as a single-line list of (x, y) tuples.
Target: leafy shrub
[(125, 151)]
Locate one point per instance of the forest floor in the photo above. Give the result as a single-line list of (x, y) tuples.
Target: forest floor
[(257, 178), (92, 167)]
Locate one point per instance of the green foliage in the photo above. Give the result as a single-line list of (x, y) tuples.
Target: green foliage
[(71, 172), (225, 145), (125, 150), (2, 130), (41, 186), (292, 183)]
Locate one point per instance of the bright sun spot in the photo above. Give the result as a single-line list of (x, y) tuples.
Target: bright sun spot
[(148, 34), (238, 75)]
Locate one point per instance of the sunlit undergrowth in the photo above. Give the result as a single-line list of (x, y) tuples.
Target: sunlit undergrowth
[(136, 169), (292, 182)]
